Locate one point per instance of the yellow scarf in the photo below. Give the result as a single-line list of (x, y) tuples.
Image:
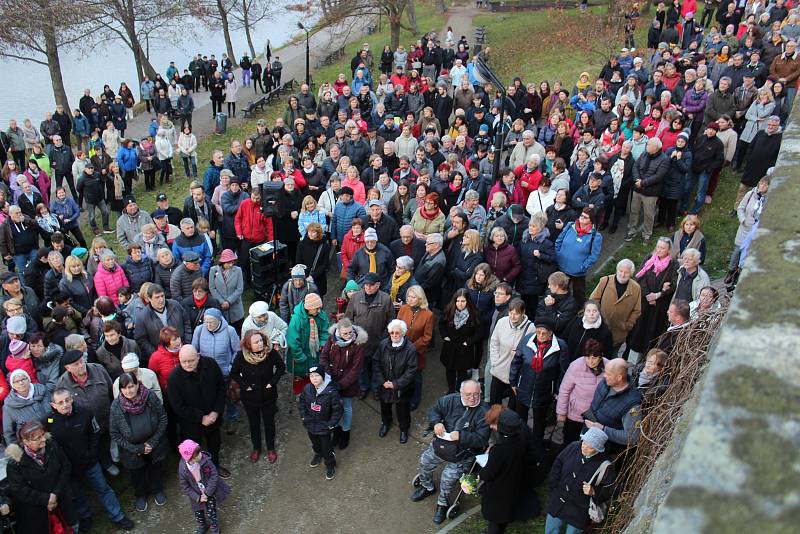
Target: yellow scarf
[(397, 283), (373, 264)]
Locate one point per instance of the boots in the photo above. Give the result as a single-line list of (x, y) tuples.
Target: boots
[(337, 436), (344, 440)]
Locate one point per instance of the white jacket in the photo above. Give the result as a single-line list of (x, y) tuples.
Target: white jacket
[(187, 144), (538, 202), (163, 148), (503, 345), (258, 177), (327, 201)]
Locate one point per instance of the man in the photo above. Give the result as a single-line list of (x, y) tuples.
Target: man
[(212, 174), (13, 289), (198, 205), (761, 155), (373, 257), (231, 200), (372, 310), (720, 102), (385, 226), (19, 239), (36, 271), (648, 174), (344, 212), (76, 430), (197, 397), (461, 417), (48, 128), (130, 223), (787, 67), (522, 151), (174, 215), (160, 312), (295, 290), (616, 407), (356, 149), (743, 97), (277, 69), (431, 268), (185, 108), (237, 162), (61, 159), (180, 284), (262, 139), (514, 222), (678, 315), (305, 98), (476, 214), (708, 158), (408, 245), (191, 241), (90, 387)]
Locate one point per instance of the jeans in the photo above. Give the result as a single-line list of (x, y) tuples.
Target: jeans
[(21, 260), (702, 187), (365, 378), (416, 398), (94, 476), (187, 160), (103, 207), (246, 77), (347, 417), (553, 525)]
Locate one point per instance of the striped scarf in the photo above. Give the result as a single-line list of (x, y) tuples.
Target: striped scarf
[(313, 336)]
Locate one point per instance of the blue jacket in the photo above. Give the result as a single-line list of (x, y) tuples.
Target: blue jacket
[(532, 279), (68, 209), (147, 90), (221, 344), (230, 205), (196, 243), (80, 126), (343, 215), (238, 165), (577, 254), (152, 130), (211, 179), (127, 158), (307, 217), (536, 390)]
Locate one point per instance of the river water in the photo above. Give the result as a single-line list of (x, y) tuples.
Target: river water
[(31, 93)]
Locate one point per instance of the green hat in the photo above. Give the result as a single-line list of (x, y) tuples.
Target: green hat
[(351, 285)]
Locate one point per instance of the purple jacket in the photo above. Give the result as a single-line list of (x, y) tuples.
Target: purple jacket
[(694, 102), (577, 390), (214, 486)]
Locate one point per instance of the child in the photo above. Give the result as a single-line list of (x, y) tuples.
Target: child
[(320, 410), (200, 481), (19, 357)]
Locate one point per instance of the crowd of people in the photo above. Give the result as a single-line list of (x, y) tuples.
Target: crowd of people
[(388, 196)]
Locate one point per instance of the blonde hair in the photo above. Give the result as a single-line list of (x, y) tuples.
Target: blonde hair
[(202, 225), (418, 292), (98, 242), (306, 200), (143, 291), (69, 262), (472, 241)]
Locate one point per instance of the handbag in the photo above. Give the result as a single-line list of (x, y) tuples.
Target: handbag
[(447, 450), (57, 523), (597, 511)]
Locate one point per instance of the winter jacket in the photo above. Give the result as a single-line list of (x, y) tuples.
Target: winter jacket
[(537, 390), (459, 350), (504, 261), (213, 485), (584, 196), (576, 336), (757, 115), (470, 422), (221, 344), (761, 155), (251, 224), (320, 408), (228, 288), (138, 272), (359, 265), (675, 179), (162, 362), (111, 363), (68, 209), (78, 436), (81, 291), (534, 271), (230, 202), (131, 431), (343, 215), (127, 158), (162, 276), (503, 345), (299, 356), (17, 411), (106, 283), (253, 379), (619, 313), (707, 154), (129, 226), (148, 327), (196, 394), (195, 243), (61, 159), (94, 394), (291, 296), (718, 104), (397, 365), (514, 231), (560, 313), (576, 254)]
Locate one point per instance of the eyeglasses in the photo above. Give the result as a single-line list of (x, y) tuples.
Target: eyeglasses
[(472, 395)]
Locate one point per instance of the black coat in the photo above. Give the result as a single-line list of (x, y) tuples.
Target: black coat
[(397, 365), (570, 470), (194, 312), (131, 431), (503, 477), (78, 434), (561, 313), (761, 155), (193, 395), (322, 411), (285, 226), (253, 379), (307, 251), (576, 336), (653, 321), (455, 354), (417, 250), (567, 215), (386, 228), (532, 279)]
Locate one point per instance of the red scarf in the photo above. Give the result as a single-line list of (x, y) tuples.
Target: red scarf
[(538, 361), (200, 303), (582, 231), (428, 215)]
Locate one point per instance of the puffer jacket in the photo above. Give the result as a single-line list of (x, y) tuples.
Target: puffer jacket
[(576, 254), (577, 390), (138, 272), (195, 243), (162, 276), (18, 410), (327, 407), (81, 290), (68, 209), (532, 279), (291, 296), (180, 285), (343, 215), (650, 169), (675, 179), (106, 283), (344, 362), (504, 261), (48, 366), (397, 365), (221, 344), (537, 390), (503, 345), (473, 432)]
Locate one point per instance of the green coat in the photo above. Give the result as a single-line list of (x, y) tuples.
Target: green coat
[(299, 358)]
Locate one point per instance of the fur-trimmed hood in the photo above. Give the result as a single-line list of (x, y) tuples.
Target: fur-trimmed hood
[(361, 334), (14, 451)]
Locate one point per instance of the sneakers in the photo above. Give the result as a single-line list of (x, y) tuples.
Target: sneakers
[(315, 461), (255, 455), (160, 499), (108, 230), (201, 529), (629, 237), (330, 473), (124, 523), (223, 473), (141, 504)]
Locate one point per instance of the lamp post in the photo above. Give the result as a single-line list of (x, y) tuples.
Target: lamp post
[(308, 53), (484, 74)]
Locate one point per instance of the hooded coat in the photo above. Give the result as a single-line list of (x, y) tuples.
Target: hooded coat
[(18, 410), (299, 355), (220, 344), (344, 362)]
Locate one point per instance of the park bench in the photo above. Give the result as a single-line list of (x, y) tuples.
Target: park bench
[(253, 104)]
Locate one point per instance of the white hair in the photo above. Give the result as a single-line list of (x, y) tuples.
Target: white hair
[(626, 264), (397, 324)]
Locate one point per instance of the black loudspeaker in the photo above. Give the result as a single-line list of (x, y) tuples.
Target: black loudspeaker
[(269, 197)]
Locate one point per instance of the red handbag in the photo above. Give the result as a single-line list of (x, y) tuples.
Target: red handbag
[(58, 525)]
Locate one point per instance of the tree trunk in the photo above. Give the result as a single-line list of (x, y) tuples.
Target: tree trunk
[(246, 24), (54, 66), (223, 15), (394, 24), (412, 16)]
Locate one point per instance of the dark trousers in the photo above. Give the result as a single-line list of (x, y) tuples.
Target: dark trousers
[(186, 118), (70, 183), (257, 82), (147, 105), (539, 418), (708, 16), (321, 443), (403, 409), (257, 414), (572, 431), (19, 159), (148, 479), (667, 211), (454, 379), (212, 436), (150, 180), (496, 528), (127, 179), (216, 107), (231, 105), (198, 82), (166, 171), (499, 391), (578, 290), (78, 235)]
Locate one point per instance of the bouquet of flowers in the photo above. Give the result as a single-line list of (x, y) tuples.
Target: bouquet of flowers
[(469, 484)]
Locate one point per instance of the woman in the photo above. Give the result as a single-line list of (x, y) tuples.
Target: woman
[(669, 135), (257, 369), (757, 114), (67, 211), (560, 214), (463, 261), (537, 257), (164, 152), (589, 325), (420, 192), (231, 88), (226, 285), (40, 178), (109, 277), (419, 320), (305, 338), (138, 428), (749, 213), (77, 284), (481, 286), (781, 101), (114, 347), (187, 148), (46, 358), (288, 205), (401, 279), (149, 161), (460, 330), (353, 180), (680, 165), (310, 213), (352, 241), (115, 187), (25, 402), (691, 277), (577, 249), (649, 376), (314, 251), (707, 301), (620, 301), (501, 256), (399, 202), (48, 223), (657, 278), (428, 219), (689, 235), (573, 482), (507, 334), (343, 356), (38, 481), (394, 367), (453, 193), (577, 388)]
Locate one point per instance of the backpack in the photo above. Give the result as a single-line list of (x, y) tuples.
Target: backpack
[(597, 511)]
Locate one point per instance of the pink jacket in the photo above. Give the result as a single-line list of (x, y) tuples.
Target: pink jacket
[(106, 283), (577, 390)]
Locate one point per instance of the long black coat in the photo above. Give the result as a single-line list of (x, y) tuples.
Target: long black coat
[(193, 395), (253, 379), (30, 486), (456, 355), (503, 478), (397, 365), (286, 230), (532, 279), (653, 321), (576, 336)]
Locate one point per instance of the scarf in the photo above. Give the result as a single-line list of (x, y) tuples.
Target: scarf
[(460, 317), (495, 213), (373, 262), (200, 303), (254, 358), (722, 58), (135, 405), (342, 342), (591, 326), (582, 230), (644, 378), (37, 457), (194, 469), (313, 336), (538, 361), (429, 215), (397, 283), (657, 264)]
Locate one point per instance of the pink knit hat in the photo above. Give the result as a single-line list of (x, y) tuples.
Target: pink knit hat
[(187, 449)]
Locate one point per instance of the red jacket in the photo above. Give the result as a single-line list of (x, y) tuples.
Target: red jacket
[(350, 245), (517, 197), (251, 223), (162, 362), (299, 181), (531, 178), (504, 262)]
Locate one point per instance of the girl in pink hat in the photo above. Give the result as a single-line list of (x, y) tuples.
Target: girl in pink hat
[(200, 481)]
